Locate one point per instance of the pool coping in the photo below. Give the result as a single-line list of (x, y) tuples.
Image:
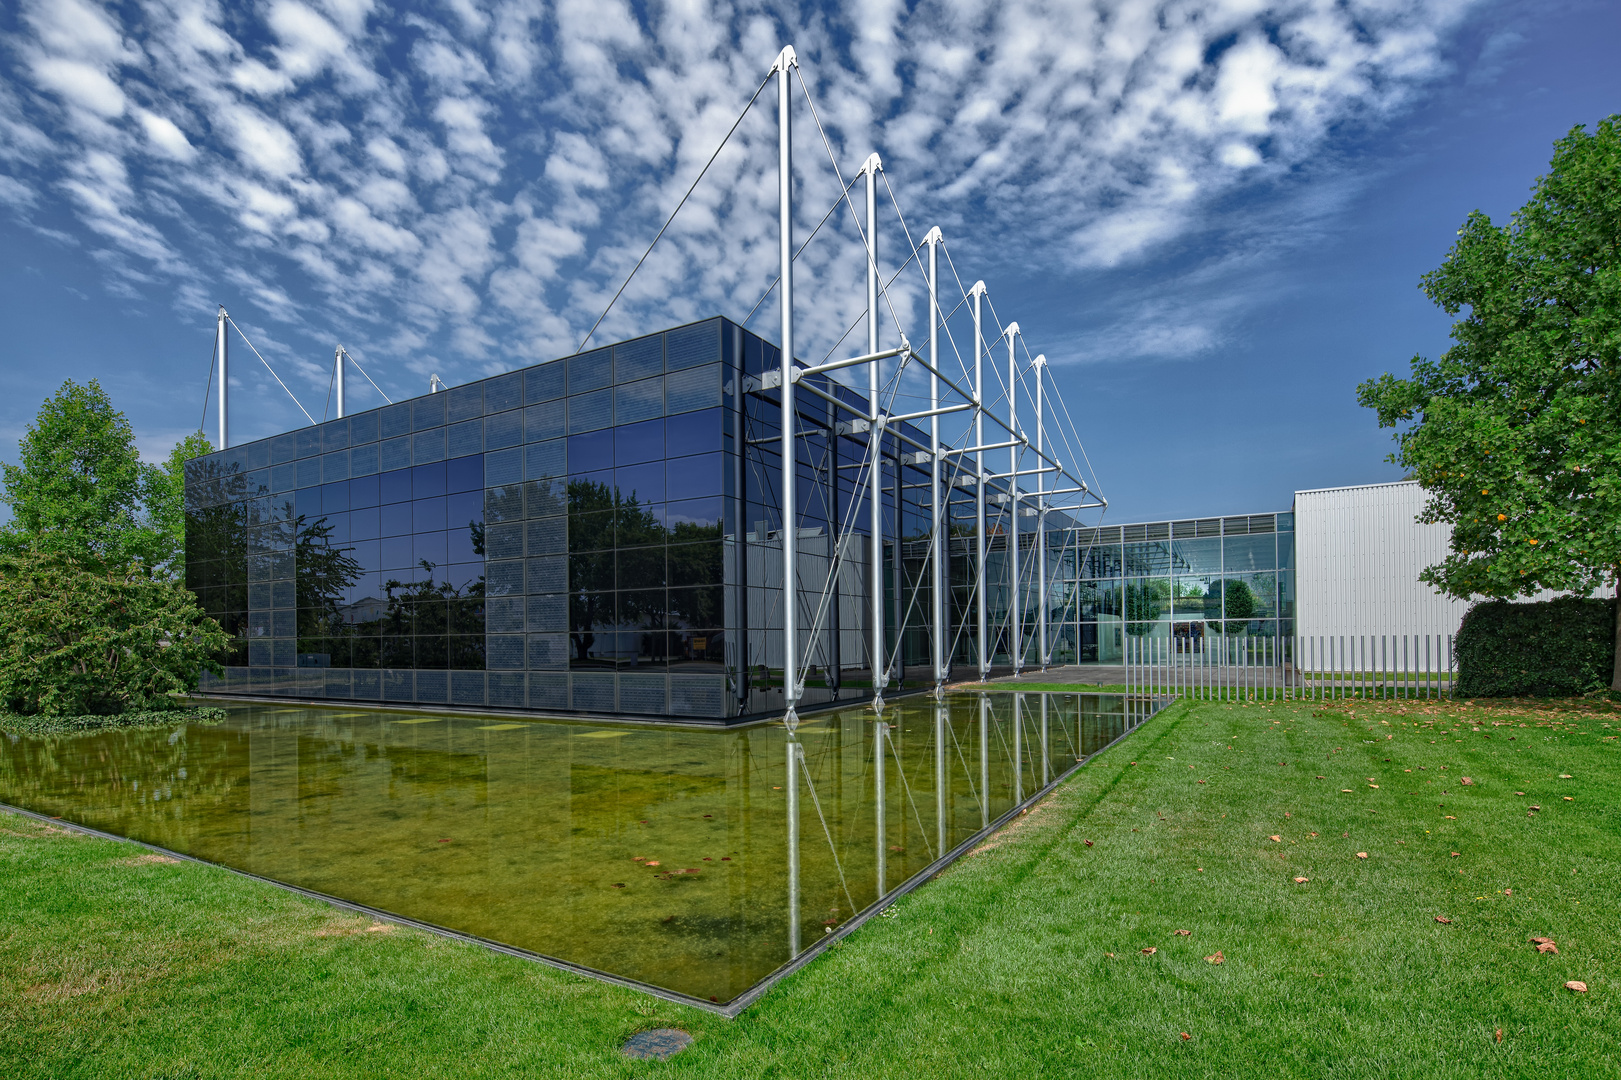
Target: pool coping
[(729, 1010)]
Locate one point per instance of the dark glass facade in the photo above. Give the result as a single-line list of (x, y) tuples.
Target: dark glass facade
[(593, 534), (602, 534)]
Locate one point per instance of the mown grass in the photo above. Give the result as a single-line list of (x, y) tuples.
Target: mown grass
[(111, 965)]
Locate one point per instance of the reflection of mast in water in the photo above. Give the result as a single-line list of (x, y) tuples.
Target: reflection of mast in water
[(1018, 749), (984, 761), (940, 721), (1046, 762), (791, 787), (879, 734)]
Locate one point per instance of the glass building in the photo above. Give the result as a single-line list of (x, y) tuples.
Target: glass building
[(1181, 580), (597, 534), (602, 534)]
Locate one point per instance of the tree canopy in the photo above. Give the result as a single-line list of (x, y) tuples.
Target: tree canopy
[(80, 488), (1514, 432)]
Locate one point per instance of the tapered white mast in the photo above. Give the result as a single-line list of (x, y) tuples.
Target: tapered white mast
[(937, 541), (1016, 643), (225, 379), (1040, 365), (337, 362), (875, 440), (790, 525), (978, 293)]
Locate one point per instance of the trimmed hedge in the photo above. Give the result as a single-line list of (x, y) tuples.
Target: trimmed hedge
[(1555, 648), (68, 725)]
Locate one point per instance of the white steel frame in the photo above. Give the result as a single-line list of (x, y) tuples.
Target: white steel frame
[(876, 422)]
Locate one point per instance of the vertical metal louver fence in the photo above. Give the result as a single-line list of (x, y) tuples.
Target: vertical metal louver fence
[(1322, 668)]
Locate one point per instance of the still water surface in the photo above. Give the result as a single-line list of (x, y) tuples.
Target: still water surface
[(682, 858)]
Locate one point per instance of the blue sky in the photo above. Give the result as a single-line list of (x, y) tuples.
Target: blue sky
[(1211, 217)]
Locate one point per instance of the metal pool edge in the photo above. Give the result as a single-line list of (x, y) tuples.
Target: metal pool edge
[(730, 1010)]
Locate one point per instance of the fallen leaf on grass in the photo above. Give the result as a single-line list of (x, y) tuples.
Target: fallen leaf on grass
[(1346, 790), (1519, 793), (1443, 920), (1319, 777), (1301, 880), (1150, 951), (1576, 985), (1569, 798), (1362, 854), (1216, 957), (1499, 1034), (1186, 1036), (1311, 834), (1536, 808), (1548, 947), (1373, 785), (1449, 817), (1454, 854), (1467, 782), (1276, 839), (1110, 955), (1184, 933), (1089, 843), (1566, 776)]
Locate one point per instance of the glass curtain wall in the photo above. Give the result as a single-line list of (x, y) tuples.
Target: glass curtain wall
[(551, 538), (1181, 580), (603, 534)]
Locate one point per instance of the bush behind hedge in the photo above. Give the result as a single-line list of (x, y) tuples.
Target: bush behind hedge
[(1554, 648)]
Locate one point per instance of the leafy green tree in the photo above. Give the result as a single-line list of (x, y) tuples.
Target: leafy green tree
[(1515, 432), (80, 486), (80, 637)]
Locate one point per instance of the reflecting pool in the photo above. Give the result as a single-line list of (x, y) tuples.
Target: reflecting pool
[(695, 861)]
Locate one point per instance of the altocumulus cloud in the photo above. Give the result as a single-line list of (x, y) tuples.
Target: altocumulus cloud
[(436, 179)]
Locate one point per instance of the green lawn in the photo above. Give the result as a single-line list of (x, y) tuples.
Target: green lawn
[(115, 966)]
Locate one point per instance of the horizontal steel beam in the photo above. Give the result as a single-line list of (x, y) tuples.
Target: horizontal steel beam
[(800, 373)]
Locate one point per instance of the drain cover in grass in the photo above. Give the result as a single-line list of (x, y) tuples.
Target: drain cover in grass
[(657, 1045)]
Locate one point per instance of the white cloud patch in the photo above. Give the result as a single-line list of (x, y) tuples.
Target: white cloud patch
[(425, 184), (166, 138), (263, 144)]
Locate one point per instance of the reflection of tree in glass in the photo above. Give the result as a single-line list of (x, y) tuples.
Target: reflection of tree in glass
[(1145, 601), (694, 561), (323, 573), (1240, 605), (595, 511), (218, 531)]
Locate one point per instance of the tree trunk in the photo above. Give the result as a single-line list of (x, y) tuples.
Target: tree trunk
[(1615, 674)]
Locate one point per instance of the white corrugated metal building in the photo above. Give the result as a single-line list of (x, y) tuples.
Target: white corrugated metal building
[(1359, 551)]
